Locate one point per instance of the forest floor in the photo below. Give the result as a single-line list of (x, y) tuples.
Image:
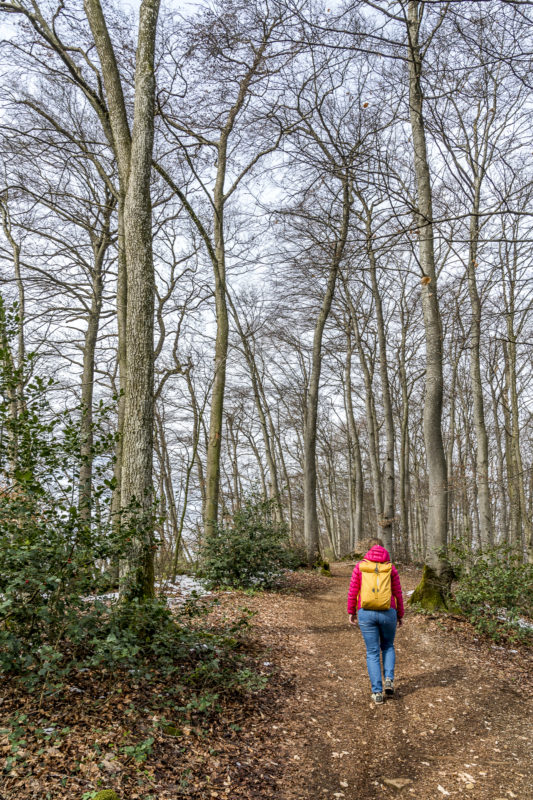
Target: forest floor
[(459, 724)]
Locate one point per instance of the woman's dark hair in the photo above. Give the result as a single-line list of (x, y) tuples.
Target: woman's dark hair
[(374, 542)]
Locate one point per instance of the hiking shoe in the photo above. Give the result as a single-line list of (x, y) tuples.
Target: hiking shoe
[(389, 687), (377, 697)]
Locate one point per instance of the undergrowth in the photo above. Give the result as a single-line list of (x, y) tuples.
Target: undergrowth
[(495, 591), (55, 562), (250, 552)]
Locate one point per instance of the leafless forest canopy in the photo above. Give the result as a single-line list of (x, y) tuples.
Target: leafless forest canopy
[(321, 218)]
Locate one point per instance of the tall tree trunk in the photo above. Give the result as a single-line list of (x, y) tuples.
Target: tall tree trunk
[(198, 420), (510, 464), (434, 588), (259, 400), (233, 439), (137, 454), (404, 443), (116, 125), (386, 512), (356, 469), (500, 445), (121, 303), (311, 528), (451, 443), (134, 157), (221, 347), (482, 451), (15, 390), (515, 436), (217, 255), (286, 478), (87, 382), (371, 424)]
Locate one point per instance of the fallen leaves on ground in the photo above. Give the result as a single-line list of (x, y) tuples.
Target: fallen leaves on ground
[(457, 727)]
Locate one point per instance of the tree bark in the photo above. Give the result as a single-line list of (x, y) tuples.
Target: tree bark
[(259, 400), (451, 443), (404, 476), (510, 463), (134, 157), (356, 469), (519, 481), (137, 454), (311, 527), (16, 389), (371, 417), (386, 513), (100, 247), (121, 304), (482, 451), (212, 482), (439, 573)]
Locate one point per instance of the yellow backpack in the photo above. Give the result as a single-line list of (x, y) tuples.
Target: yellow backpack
[(375, 590)]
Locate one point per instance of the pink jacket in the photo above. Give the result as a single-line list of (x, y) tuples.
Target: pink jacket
[(379, 554)]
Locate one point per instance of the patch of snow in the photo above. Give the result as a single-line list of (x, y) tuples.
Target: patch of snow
[(184, 584), (523, 623), (110, 596)]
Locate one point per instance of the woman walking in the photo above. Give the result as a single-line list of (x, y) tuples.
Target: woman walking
[(375, 603)]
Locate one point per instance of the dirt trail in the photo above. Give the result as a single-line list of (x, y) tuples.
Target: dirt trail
[(459, 724)]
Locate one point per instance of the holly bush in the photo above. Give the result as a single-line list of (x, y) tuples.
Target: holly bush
[(250, 552), (55, 563), (495, 590)]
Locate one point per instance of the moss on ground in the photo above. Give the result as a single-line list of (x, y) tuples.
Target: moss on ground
[(172, 730), (106, 794)]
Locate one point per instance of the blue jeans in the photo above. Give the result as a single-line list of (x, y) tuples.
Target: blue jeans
[(378, 629)]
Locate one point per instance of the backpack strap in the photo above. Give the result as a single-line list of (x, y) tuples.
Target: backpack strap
[(359, 592)]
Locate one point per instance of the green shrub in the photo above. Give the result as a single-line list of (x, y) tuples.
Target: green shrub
[(494, 589), (251, 552), (52, 620), (47, 551)]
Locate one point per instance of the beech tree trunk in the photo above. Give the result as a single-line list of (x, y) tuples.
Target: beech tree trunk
[(370, 412), (451, 442), (15, 392), (259, 400), (356, 469), (404, 476), (212, 481), (87, 381), (134, 157), (435, 585), (386, 513), (482, 451), (311, 528), (121, 304), (518, 480)]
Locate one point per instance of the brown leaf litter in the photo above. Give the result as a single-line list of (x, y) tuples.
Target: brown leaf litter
[(459, 726)]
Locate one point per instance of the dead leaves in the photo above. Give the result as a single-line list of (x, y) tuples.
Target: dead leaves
[(266, 747)]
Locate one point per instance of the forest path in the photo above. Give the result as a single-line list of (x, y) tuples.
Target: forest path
[(460, 723)]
